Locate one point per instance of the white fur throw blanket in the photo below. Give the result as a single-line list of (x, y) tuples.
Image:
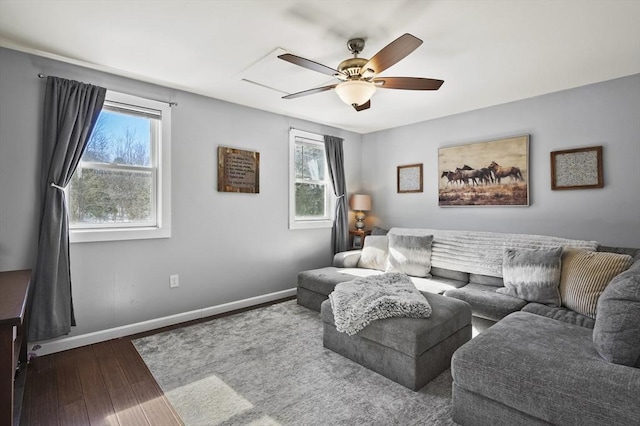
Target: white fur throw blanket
[(482, 252), (357, 303)]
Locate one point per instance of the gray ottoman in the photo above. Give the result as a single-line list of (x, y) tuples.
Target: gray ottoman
[(409, 351)]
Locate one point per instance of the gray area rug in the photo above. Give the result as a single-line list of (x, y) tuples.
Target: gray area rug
[(268, 367)]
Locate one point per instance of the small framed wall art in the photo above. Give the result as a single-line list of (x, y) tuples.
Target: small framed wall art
[(579, 168), (238, 170), (410, 178)]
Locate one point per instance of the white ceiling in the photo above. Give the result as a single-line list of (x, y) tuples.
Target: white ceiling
[(487, 52)]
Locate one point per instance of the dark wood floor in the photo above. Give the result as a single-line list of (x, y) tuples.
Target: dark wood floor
[(102, 384)]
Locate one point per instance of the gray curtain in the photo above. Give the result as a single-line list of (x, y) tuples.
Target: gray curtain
[(335, 160), (71, 110)]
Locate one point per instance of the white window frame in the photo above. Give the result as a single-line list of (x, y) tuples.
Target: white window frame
[(297, 222), (161, 177)]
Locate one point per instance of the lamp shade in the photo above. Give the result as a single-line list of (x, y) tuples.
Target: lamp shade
[(355, 92), (360, 202)]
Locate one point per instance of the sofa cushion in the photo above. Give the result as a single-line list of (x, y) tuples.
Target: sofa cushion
[(448, 273), (324, 280), (410, 254), (549, 370), (486, 280), (374, 253), (486, 302), (532, 274), (585, 274), (616, 335), (560, 314), (437, 285), (346, 259)]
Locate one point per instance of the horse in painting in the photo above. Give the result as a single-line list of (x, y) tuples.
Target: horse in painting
[(502, 172), (452, 176), (469, 173)]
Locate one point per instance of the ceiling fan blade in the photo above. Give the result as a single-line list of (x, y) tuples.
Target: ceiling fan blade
[(393, 53), (408, 83), (309, 92), (362, 107), (309, 64)]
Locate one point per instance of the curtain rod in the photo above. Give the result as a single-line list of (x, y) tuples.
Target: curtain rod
[(171, 103)]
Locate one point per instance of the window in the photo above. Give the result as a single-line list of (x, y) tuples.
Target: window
[(311, 199), (121, 188)]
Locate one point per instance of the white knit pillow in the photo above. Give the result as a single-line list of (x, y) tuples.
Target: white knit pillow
[(374, 253), (410, 254)]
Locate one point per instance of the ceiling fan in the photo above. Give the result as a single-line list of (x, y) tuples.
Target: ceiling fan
[(358, 75)]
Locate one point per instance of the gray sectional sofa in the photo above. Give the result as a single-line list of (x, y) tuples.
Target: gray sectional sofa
[(537, 363)]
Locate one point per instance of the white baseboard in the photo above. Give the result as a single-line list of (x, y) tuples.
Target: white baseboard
[(66, 343)]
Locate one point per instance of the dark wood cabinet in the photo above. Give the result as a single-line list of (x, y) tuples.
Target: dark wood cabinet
[(14, 293)]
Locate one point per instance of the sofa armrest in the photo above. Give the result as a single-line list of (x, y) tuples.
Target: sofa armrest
[(545, 368), (347, 259)]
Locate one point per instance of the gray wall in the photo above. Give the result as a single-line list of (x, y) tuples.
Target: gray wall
[(225, 247), (606, 114)]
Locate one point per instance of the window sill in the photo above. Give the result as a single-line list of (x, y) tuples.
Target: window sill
[(310, 224), (117, 234)]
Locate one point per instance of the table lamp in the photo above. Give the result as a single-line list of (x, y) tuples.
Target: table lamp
[(360, 203)]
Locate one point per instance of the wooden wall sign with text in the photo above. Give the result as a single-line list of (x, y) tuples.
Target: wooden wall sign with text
[(238, 170)]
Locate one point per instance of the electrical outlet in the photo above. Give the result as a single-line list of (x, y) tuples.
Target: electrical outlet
[(174, 281)]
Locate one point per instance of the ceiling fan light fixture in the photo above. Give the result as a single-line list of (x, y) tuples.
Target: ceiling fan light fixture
[(367, 73), (355, 92)]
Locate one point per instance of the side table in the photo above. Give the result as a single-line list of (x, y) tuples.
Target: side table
[(357, 236)]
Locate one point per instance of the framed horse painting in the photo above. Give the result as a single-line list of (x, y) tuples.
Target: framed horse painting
[(491, 173)]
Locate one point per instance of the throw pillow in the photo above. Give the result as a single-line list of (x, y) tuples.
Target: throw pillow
[(376, 230), (410, 254), (616, 334), (585, 274), (374, 253), (532, 274)]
